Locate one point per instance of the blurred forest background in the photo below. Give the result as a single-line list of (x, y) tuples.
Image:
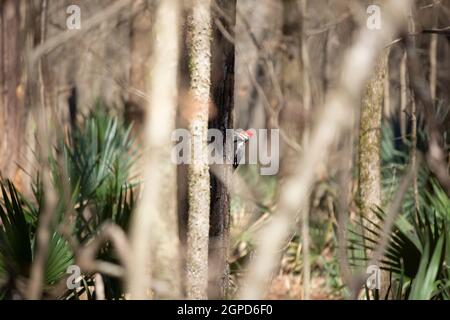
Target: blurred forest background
[(358, 89)]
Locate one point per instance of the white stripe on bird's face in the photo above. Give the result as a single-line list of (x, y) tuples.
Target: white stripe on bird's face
[(243, 135)]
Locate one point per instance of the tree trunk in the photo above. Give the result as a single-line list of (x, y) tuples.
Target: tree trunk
[(413, 111), (306, 101), (199, 28), (11, 90), (403, 97), (154, 233), (223, 53), (370, 146), (140, 52), (433, 54)]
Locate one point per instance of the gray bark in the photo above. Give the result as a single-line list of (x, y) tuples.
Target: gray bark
[(369, 164), (199, 25)]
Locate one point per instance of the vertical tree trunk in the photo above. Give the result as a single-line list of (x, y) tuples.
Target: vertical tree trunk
[(296, 79), (387, 89), (306, 101), (433, 54), (370, 144), (223, 52), (294, 115), (403, 97), (154, 233), (11, 90), (199, 25), (140, 51), (413, 151)]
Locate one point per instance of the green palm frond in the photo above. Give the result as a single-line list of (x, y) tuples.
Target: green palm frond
[(418, 253), (15, 235), (424, 283), (60, 257), (17, 238), (413, 252), (97, 161), (91, 177), (98, 156)]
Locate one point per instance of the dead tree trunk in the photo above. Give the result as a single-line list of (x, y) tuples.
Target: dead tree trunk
[(223, 52)]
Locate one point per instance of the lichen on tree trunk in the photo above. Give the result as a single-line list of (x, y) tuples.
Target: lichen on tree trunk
[(369, 142), (199, 26), (369, 164)]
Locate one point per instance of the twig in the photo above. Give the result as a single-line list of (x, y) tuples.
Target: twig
[(442, 31), (403, 97), (49, 205), (85, 255), (67, 35), (99, 287), (328, 26), (273, 113), (414, 128), (435, 156)]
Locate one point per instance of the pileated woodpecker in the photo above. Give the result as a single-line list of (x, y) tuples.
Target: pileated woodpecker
[(240, 139)]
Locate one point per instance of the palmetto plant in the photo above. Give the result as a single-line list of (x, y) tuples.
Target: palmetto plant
[(97, 160), (17, 239), (91, 179), (417, 255), (418, 252)]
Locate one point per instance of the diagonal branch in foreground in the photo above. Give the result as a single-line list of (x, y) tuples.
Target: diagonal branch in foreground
[(336, 119)]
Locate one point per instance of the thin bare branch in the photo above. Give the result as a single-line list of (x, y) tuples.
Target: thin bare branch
[(88, 25), (435, 157)]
